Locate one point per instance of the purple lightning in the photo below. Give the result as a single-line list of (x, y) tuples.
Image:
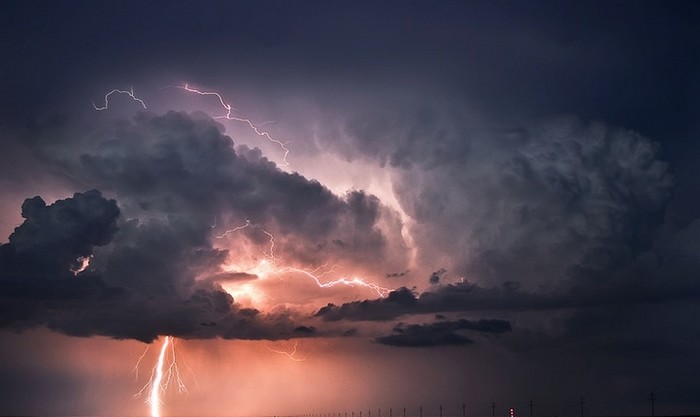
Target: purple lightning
[(230, 116), (129, 93)]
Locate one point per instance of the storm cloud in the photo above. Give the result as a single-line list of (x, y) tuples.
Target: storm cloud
[(141, 294), (441, 332), (157, 270), (182, 166), (531, 164), (535, 203)]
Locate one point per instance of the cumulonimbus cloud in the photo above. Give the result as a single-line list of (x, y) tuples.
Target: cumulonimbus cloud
[(151, 248)]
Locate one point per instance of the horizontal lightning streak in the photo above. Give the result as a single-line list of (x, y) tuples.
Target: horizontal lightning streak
[(270, 267), (352, 282)]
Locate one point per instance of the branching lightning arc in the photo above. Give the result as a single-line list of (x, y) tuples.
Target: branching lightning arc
[(291, 355), (164, 373), (129, 93), (269, 266), (230, 116)]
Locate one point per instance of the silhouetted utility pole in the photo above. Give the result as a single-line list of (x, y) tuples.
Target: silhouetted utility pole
[(651, 397), (391, 412), (404, 412), (493, 409), (464, 410), (530, 408), (420, 411), (380, 412), (581, 406), (369, 413), (441, 411)]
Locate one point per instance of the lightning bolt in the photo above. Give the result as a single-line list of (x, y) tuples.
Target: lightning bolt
[(234, 230), (156, 385), (231, 116), (269, 267), (271, 253), (348, 281), (138, 362), (129, 93), (290, 355), (163, 374)]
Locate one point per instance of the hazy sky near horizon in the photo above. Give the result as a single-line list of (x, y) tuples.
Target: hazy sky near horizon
[(453, 202)]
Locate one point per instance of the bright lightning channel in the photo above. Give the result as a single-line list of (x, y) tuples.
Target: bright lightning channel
[(230, 116), (164, 373), (269, 266), (348, 281), (156, 386), (291, 355), (129, 93)]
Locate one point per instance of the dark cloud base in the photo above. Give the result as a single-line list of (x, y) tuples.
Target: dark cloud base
[(441, 333)]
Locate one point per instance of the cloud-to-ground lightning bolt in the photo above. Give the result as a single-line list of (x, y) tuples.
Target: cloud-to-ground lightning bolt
[(154, 397), (291, 355), (230, 116), (129, 93), (165, 372)]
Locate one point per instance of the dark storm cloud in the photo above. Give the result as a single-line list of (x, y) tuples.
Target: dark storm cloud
[(435, 276), (53, 238), (582, 221), (397, 274), (531, 204), (441, 333), (397, 303), (184, 166), (172, 175), (642, 284), (143, 292)]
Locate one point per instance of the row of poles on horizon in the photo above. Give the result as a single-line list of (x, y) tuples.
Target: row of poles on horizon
[(511, 411)]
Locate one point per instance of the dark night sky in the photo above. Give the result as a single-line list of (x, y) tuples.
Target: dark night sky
[(523, 176)]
